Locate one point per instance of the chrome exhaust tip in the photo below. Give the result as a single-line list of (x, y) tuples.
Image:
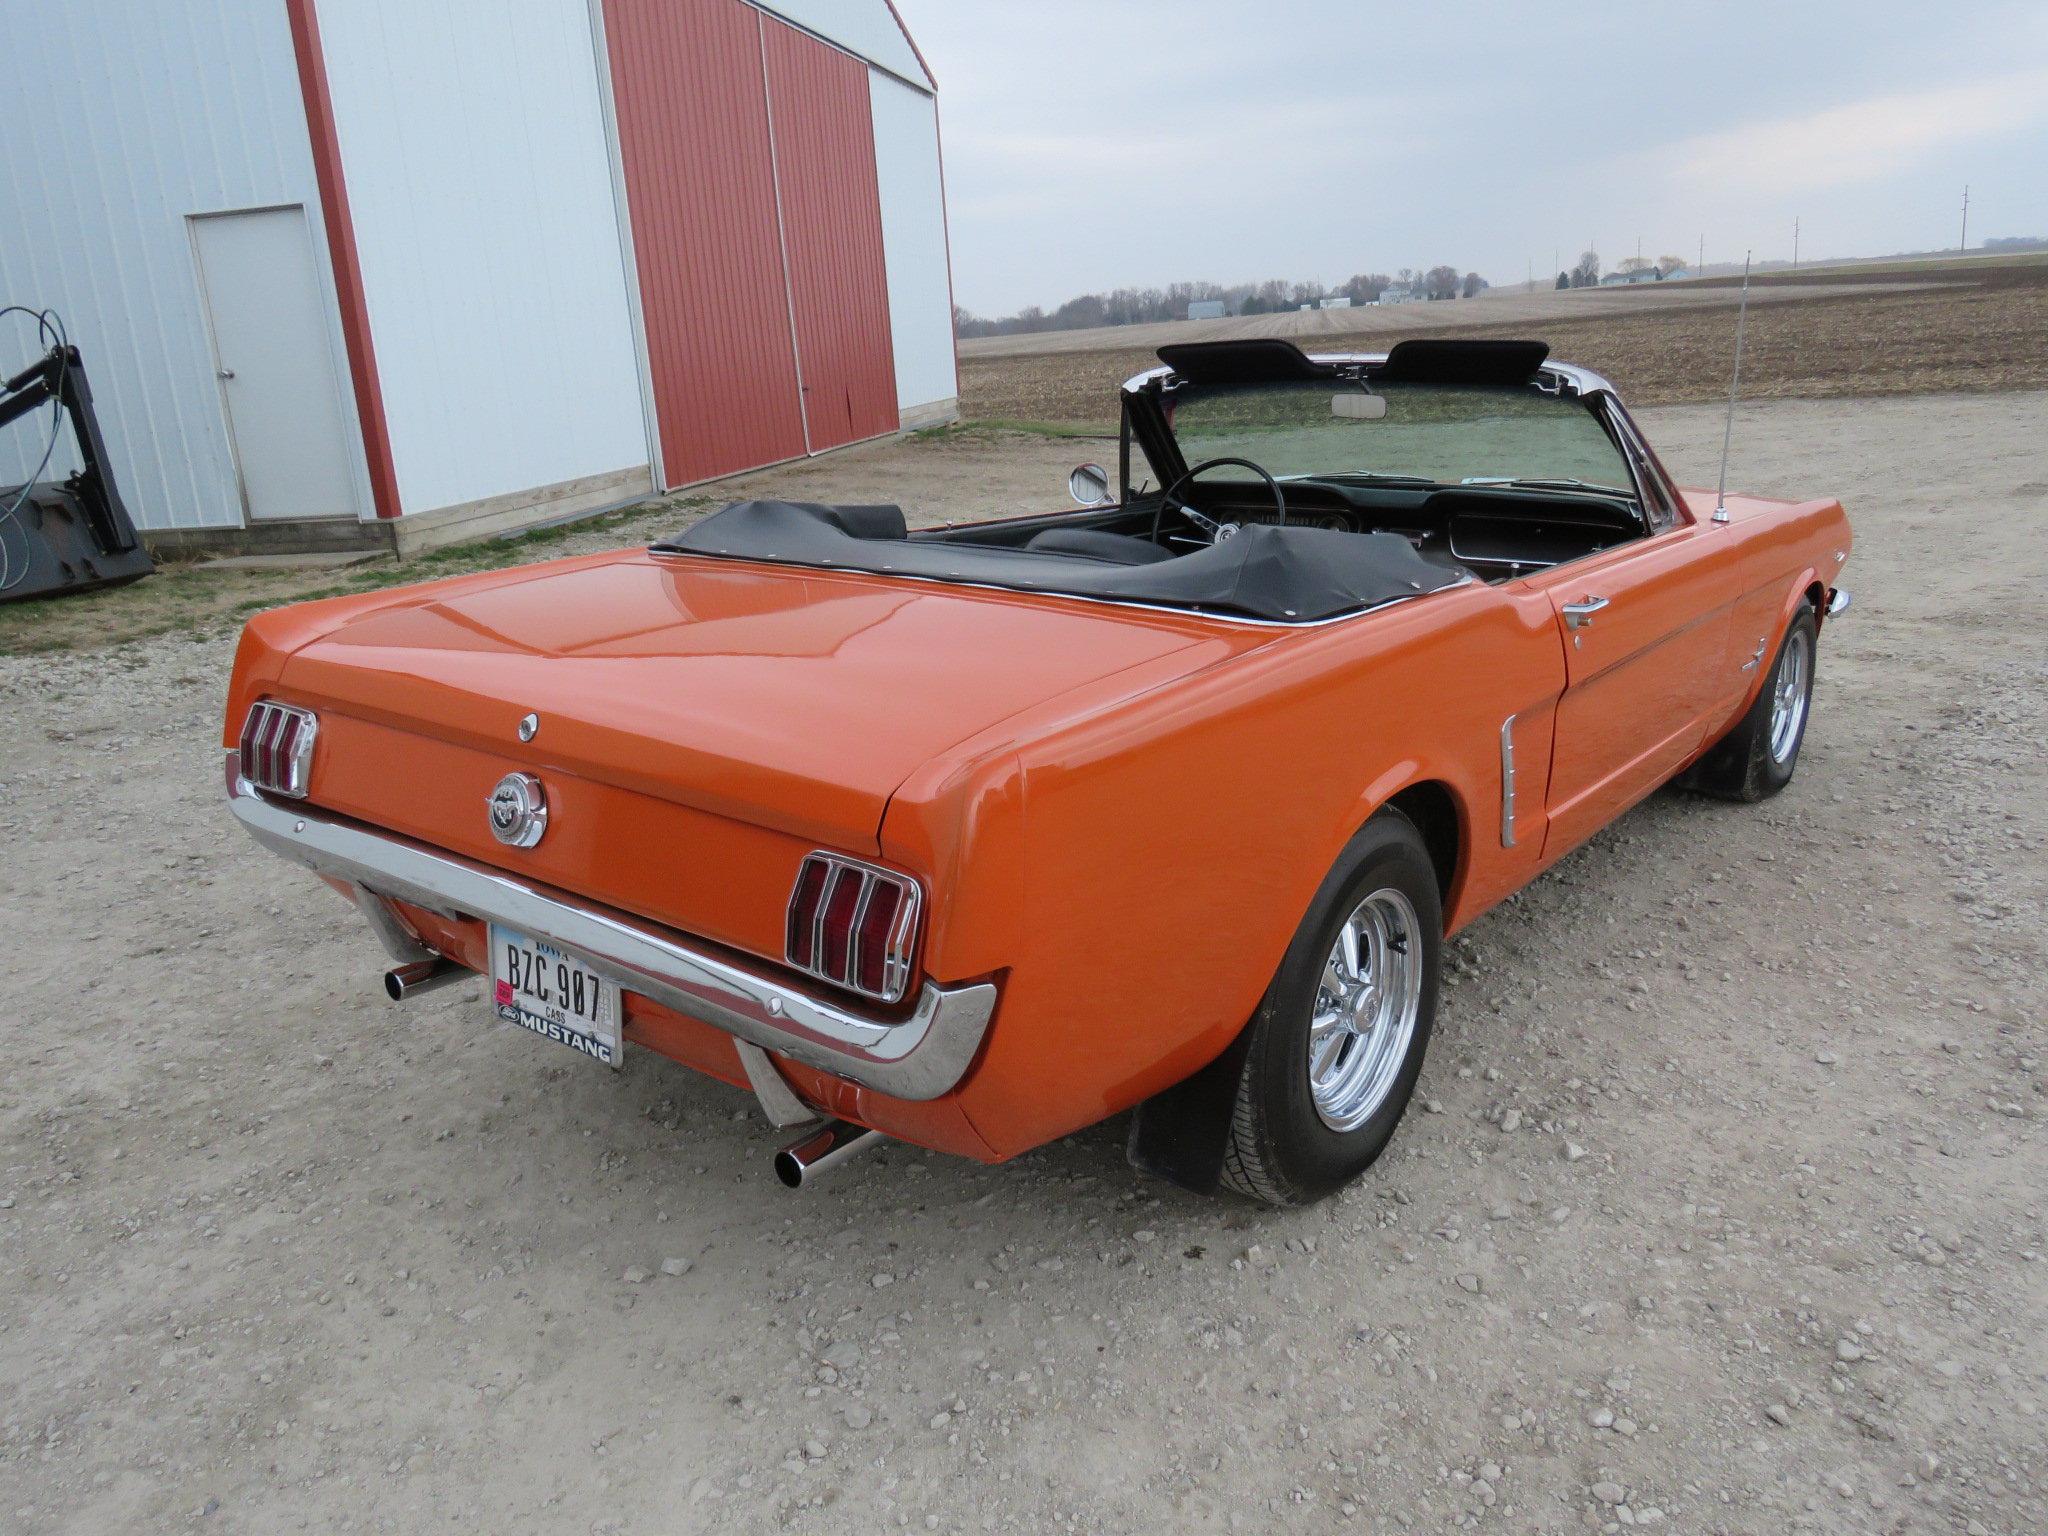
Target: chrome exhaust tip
[(804, 1159), (407, 981)]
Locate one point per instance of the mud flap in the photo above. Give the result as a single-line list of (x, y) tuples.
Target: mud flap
[(1179, 1135)]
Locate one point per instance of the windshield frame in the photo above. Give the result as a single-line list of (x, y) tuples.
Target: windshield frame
[(1145, 428)]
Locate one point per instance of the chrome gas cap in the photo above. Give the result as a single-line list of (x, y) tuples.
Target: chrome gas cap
[(518, 810)]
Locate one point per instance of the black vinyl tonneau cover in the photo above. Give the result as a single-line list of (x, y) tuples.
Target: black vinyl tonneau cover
[(1284, 575)]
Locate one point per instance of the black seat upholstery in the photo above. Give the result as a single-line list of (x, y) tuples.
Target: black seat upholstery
[(884, 521), (1280, 575), (1095, 544)]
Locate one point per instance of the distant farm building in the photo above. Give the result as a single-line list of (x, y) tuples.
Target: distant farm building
[(1343, 302), (1623, 279), (1205, 309), (1397, 295)]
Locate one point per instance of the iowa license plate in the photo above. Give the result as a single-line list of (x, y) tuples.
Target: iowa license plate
[(537, 987)]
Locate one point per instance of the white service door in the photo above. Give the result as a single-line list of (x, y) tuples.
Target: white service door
[(272, 347)]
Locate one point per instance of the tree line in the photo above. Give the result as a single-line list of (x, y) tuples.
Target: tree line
[(1136, 306)]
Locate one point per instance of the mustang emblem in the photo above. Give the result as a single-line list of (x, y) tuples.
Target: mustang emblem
[(519, 810)]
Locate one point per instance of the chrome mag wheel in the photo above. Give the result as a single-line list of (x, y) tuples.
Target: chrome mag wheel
[(1788, 695), (1367, 1002)]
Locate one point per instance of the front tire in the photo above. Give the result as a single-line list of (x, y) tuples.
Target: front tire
[(1756, 759), (1337, 1043)]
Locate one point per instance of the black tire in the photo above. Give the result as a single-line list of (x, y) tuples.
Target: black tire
[(1279, 1149), (1748, 764)]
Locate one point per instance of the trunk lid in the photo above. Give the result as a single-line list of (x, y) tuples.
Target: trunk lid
[(795, 700)]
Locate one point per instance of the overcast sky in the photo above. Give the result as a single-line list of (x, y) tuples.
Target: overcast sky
[(1092, 144)]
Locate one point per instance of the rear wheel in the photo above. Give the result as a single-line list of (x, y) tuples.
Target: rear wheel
[(1756, 759), (1338, 1040)]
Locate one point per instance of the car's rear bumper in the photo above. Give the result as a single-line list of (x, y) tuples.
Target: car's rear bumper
[(919, 1055)]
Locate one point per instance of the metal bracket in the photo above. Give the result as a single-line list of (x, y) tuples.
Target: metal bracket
[(399, 941), (778, 1100)]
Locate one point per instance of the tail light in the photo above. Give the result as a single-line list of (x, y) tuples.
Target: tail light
[(277, 748), (853, 925)]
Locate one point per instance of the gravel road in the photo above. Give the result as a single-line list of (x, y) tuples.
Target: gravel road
[(1721, 1211)]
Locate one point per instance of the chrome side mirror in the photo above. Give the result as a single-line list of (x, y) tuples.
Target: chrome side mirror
[(1089, 485)]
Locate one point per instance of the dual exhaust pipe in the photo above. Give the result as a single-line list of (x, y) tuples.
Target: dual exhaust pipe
[(802, 1162), (423, 976), (819, 1149)]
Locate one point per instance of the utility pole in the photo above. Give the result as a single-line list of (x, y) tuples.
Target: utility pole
[(1795, 244), (1701, 269), (1964, 243)]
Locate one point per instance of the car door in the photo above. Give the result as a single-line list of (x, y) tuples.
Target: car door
[(1644, 627)]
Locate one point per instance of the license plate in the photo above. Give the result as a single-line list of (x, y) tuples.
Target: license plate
[(537, 987)]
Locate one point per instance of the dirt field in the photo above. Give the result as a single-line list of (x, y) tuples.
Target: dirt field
[(1966, 327), (1722, 1210)]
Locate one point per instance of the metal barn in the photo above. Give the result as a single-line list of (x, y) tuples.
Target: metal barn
[(370, 273)]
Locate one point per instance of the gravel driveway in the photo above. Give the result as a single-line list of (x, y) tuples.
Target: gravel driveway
[(1722, 1209)]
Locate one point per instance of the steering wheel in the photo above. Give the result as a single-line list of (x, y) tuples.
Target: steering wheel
[(1217, 532)]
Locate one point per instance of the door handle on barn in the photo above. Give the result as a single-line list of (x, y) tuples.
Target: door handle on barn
[(1580, 614)]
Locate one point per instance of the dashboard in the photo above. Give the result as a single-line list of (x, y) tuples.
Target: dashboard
[(1498, 532)]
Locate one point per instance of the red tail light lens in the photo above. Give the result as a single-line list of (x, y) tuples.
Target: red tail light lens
[(277, 748), (805, 903), (871, 943), (854, 925)]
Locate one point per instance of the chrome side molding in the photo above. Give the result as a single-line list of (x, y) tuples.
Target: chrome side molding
[(919, 1055), (1507, 782)]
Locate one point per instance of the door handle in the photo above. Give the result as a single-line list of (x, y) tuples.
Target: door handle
[(225, 373), (1580, 614)]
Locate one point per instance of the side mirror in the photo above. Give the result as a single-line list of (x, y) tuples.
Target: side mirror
[(1089, 485)]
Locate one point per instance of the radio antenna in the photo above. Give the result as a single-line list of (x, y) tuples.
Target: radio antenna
[(1734, 384)]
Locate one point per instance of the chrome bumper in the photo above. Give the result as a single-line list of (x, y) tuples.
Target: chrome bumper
[(917, 1057), (1838, 601)]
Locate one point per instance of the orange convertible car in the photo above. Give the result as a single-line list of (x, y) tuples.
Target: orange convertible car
[(974, 836)]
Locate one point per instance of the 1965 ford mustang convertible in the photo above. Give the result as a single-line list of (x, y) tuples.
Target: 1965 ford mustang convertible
[(973, 836)]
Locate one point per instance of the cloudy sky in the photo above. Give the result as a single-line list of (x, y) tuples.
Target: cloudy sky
[(1097, 143)]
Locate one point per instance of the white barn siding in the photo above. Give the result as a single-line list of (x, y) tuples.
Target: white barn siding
[(866, 28), (474, 148), (118, 119), (914, 248)]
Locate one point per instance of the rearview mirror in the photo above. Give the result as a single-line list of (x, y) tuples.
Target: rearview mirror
[(1089, 485), (1350, 407)]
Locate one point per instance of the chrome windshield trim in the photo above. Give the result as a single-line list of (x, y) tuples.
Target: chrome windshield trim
[(920, 1056), (1583, 381)]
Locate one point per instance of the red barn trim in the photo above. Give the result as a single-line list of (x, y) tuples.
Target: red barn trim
[(341, 253)]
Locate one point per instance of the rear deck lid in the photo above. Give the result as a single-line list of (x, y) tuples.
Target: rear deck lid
[(797, 700)]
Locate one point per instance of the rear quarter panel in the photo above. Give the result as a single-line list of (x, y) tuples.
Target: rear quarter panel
[(1138, 872), (1790, 551)]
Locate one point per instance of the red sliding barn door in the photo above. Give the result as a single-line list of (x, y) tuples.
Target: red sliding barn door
[(832, 230), (748, 156), (692, 106)]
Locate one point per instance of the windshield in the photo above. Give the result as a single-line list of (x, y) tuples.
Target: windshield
[(1440, 433)]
